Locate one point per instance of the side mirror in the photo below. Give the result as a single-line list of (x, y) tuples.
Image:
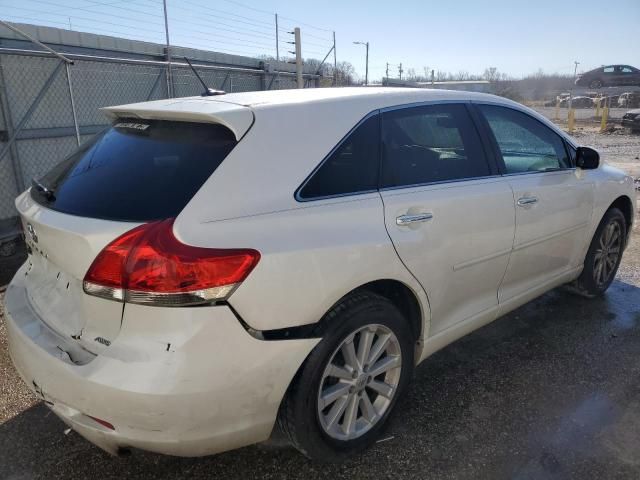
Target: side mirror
[(587, 158)]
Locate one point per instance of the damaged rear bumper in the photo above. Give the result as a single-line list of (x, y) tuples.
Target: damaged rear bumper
[(178, 381)]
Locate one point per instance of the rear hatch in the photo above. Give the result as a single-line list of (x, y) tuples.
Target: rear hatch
[(138, 170)]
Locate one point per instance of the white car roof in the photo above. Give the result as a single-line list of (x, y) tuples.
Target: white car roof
[(379, 97), (234, 110)]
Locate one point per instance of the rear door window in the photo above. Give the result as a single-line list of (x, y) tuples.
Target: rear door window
[(137, 170), (351, 168), (427, 144)]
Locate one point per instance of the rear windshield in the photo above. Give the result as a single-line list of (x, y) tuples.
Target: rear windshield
[(136, 170)]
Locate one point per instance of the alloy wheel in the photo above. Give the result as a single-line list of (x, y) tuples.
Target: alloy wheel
[(359, 382), (607, 253)]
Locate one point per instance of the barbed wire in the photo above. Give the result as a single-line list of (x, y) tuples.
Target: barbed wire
[(249, 33)]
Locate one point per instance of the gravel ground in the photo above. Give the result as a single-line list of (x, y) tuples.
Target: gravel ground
[(552, 390)]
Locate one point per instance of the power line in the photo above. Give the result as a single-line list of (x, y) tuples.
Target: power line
[(246, 31), (89, 29), (84, 18), (209, 24), (272, 13), (247, 20), (306, 34), (248, 7), (306, 24), (53, 4), (256, 38)]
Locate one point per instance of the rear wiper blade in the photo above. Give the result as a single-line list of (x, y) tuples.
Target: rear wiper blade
[(48, 193)]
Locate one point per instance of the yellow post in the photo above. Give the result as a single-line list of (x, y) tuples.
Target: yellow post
[(557, 116), (571, 119), (603, 122)]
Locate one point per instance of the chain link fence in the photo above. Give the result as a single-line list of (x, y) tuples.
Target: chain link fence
[(48, 106)]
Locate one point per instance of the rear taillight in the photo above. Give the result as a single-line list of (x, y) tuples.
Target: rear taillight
[(149, 265)]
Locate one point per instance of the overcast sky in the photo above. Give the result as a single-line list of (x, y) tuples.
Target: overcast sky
[(517, 37)]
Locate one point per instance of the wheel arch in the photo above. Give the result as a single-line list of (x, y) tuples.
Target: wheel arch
[(623, 203), (405, 299), (398, 293)]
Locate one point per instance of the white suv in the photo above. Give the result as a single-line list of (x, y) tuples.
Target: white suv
[(209, 266)]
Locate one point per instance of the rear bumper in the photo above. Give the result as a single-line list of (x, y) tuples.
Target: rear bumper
[(178, 381)]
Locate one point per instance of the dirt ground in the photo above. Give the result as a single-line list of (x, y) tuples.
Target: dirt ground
[(552, 390)]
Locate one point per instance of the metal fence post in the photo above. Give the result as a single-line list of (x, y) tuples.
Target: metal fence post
[(155, 85), (263, 76), (273, 77), (73, 104), (166, 30)]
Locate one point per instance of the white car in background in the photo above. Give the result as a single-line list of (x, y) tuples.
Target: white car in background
[(210, 266)]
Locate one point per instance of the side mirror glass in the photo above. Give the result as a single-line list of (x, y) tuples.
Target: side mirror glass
[(587, 158)]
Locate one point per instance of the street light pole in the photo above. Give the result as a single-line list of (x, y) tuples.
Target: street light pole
[(366, 74)]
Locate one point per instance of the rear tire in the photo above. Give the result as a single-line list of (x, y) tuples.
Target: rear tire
[(604, 255), (325, 413)]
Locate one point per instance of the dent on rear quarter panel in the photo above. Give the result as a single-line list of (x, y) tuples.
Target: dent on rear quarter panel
[(310, 258)]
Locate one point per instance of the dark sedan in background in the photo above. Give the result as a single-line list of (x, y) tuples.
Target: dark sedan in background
[(610, 76), (631, 120)]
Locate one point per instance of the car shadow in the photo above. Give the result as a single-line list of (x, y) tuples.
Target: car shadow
[(548, 391)]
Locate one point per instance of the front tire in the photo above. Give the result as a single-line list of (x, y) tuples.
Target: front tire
[(604, 255), (345, 391), (596, 84)]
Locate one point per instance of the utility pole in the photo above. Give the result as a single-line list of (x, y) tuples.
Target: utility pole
[(387, 71), (277, 42), (296, 33), (166, 31), (575, 70), (366, 74), (400, 70), (335, 62)]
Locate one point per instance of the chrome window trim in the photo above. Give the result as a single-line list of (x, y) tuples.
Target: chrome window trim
[(337, 195), (538, 172), (380, 111), (442, 182), (426, 103)]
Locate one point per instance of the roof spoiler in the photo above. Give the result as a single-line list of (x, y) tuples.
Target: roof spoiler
[(236, 118)]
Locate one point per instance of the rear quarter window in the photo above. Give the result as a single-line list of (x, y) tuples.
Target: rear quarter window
[(136, 170), (351, 168)]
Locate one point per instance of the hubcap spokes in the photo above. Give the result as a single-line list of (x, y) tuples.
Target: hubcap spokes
[(607, 254), (359, 382)]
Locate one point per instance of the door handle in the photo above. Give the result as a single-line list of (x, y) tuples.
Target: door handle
[(524, 201), (404, 220)]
